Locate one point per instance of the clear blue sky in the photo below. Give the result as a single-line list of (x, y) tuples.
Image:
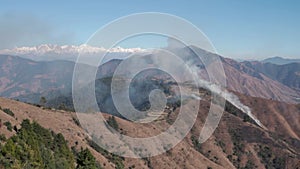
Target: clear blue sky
[(238, 29)]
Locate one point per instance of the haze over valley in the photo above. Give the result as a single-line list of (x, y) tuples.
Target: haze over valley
[(150, 85)]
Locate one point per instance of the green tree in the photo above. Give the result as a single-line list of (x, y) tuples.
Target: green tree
[(63, 155), (85, 160), (2, 137), (25, 125), (43, 101), (9, 148), (8, 125), (36, 147)]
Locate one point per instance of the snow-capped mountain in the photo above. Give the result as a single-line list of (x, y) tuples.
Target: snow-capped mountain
[(68, 52), (66, 49)]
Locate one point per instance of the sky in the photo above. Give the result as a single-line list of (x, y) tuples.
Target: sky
[(238, 29)]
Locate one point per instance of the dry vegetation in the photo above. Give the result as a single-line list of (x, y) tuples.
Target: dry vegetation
[(235, 144)]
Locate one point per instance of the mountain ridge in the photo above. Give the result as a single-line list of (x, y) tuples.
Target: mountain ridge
[(287, 74), (280, 60), (236, 143), (40, 78)]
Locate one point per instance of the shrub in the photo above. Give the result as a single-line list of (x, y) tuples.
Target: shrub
[(8, 125), (9, 112), (43, 101), (269, 159), (117, 160), (85, 160), (265, 154), (238, 145), (113, 122), (221, 144), (76, 121), (249, 165), (246, 118), (2, 137), (278, 162), (196, 143)]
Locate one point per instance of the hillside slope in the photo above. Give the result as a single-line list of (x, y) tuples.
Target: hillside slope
[(29, 80), (236, 143), (244, 79), (287, 74)]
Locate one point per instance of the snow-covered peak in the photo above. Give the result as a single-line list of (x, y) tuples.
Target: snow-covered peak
[(90, 54), (66, 49)]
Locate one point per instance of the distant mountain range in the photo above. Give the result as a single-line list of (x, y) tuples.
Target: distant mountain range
[(28, 80), (287, 74), (280, 61), (239, 141), (48, 52), (19, 76)]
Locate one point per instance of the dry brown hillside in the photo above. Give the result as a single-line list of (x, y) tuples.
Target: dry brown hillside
[(236, 143)]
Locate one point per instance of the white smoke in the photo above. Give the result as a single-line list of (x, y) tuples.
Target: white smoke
[(230, 97), (174, 45), (234, 100)]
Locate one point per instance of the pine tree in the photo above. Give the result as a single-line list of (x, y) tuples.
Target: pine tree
[(85, 160)]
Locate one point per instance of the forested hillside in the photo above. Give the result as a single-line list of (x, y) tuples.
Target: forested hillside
[(36, 147)]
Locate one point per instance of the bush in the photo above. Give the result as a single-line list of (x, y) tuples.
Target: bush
[(249, 165), (43, 101), (8, 125), (269, 159), (238, 145), (113, 122), (246, 118), (196, 143), (2, 137), (278, 162), (221, 144), (265, 154), (76, 121), (85, 160), (9, 112), (117, 160)]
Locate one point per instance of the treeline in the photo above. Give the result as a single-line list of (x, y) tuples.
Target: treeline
[(36, 147)]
